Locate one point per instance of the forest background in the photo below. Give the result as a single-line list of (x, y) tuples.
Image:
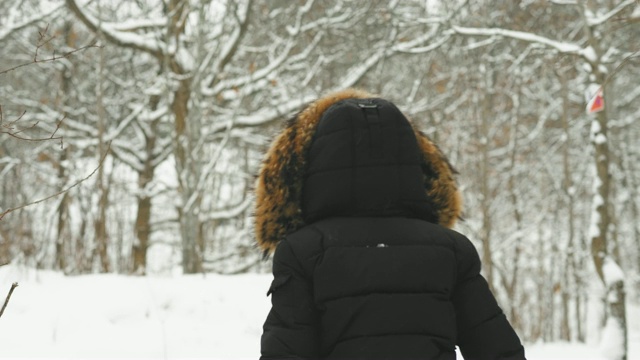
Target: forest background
[(148, 119)]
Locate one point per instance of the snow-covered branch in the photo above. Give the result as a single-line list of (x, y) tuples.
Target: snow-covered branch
[(229, 213), (121, 38), (270, 115), (564, 2), (232, 45), (635, 15), (354, 74), (599, 20), (560, 46), (259, 74), (137, 24), (10, 27)]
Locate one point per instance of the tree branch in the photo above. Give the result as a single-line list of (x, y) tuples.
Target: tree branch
[(244, 25), (14, 134), (120, 38), (54, 57), (6, 301), (8, 29), (595, 21), (562, 47), (10, 210)]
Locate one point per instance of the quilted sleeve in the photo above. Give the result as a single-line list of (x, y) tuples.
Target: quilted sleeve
[(483, 330), (291, 328)]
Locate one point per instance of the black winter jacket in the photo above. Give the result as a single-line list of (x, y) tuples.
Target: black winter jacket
[(357, 205)]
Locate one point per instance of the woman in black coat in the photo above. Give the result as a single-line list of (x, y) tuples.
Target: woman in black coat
[(357, 205)]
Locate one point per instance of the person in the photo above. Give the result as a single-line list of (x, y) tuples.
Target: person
[(356, 206)]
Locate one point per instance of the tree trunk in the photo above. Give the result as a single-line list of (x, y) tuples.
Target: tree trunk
[(82, 265), (517, 217), (100, 225), (142, 231), (143, 216), (62, 238), (608, 270), (485, 191), (187, 178), (569, 191), (630, 183), (611, 275)]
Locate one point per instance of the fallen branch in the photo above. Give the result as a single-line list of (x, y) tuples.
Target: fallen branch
[(6, 301), (10, 210)]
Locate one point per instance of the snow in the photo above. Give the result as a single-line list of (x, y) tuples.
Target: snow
[(185, 59), (591, 91), (589, 53), (148, 43), (145, 43), (174, 317), (277, 111), (135, 24), (111, 316), (600, 139), (593, 20), (48, 8), (612, 344), (603, 69), (595, 128), (611, 271), (594, 224), (562, 351), (636, 13), (563, 47)]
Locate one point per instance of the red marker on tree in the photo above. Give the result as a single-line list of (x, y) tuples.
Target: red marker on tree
[(596, 103)]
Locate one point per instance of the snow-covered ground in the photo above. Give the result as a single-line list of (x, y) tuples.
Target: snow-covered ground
[(178, 317)]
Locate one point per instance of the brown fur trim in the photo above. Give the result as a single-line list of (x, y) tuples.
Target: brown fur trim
[(443, 190), (279, 185), (280, 180)]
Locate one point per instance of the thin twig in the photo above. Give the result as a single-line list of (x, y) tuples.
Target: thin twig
[(2, 215), (11, 132), (6, 301), (53, 58), (42, 41), (627, 59)]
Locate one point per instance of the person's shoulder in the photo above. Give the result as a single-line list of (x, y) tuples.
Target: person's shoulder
[(466, 253), (460, 240), (305, 236), (304, 242)]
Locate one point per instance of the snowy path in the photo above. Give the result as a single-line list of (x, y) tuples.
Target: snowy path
[(110, 316)]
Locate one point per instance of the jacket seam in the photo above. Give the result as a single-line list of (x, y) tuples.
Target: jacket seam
[(309, 173), (431, 293), (471, 328), (391, 245), (400, 128), (355, 337), (298, 268)]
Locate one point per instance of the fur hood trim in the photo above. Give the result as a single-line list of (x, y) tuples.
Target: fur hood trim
[(281, 177)]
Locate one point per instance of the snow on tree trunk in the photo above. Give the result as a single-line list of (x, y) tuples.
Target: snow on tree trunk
[(614, 336)]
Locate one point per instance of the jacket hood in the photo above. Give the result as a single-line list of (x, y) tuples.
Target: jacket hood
[(351, 154)]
